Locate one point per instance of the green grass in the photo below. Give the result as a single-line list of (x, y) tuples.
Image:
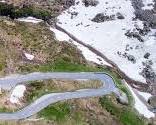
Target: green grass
[(125, 114), (59, 66), (63, 114), (4, 109), (25, 11), (58, 112)]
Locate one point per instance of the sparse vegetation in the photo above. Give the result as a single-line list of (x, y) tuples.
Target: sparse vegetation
[(125, 114), (37, 89)]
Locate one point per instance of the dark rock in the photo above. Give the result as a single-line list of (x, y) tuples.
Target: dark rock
[(125, 55), (74, 14), (146, 15), (99, 18), (119, 53), (146, 56), (131, 58), (145, 30), (137, 4), (152, 101), (88, 3), (147, 63), (153, 23), (120, 16), (77, 2), (69, 3), (134, 35), (127, 47), (149, 74)]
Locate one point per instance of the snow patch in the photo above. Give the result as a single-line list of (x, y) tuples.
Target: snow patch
[(30, 20), (29, 56), (145, 95), (139, 105), (17, 94)]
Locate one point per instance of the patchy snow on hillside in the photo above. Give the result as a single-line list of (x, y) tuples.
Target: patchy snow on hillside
[(109, 36), (30, 20), (89, 55), (139, 105), (148, 4), (17, 93), (145, 95)]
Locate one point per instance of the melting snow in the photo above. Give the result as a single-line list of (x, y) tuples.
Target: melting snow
[(89, 55), (17, 93), (139, 105), (109, 37)]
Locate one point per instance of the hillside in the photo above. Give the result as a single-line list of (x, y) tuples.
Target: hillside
[(53, 44)]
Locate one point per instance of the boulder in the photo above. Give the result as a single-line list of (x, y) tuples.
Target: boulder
[(100, 17), (69, 3), (88, 3), (134, 35), (149, 74), (131, 58), (147, 55), (120, 16)]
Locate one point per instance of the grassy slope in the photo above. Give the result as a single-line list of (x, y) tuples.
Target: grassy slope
[(56, 56), (17, 38)]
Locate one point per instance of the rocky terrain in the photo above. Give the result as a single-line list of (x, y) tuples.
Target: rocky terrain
[(136, 47)]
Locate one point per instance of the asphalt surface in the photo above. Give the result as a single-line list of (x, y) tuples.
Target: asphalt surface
[(42, 102)]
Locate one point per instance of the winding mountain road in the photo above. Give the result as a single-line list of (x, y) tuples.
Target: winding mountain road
[(10, 82)]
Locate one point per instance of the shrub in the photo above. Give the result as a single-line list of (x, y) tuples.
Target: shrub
[(16, 12)]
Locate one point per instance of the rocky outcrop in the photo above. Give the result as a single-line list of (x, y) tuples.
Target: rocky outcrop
[(120, 16), (131, 58), (134, 35), (88, 3), (148, 16), (148, 73), (100, 17), (68, 3), (147, 55)]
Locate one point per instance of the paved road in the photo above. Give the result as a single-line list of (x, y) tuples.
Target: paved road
[(9, 82)]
